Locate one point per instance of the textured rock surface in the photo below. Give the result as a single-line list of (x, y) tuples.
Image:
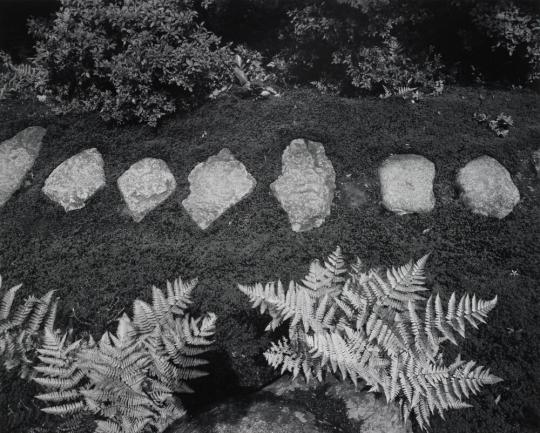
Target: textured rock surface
[(17, 156), (295, 407), (215, 185), (372, 413), (407, 184), (306, 186), (536, 161), (77, 179), (145, 185), (487, 188)]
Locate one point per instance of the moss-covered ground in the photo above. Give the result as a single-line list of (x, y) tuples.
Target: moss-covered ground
[(99, 260)]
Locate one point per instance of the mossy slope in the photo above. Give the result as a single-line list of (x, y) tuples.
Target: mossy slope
[(98, 260)]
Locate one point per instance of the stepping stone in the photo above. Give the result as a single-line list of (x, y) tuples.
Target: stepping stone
[(407, 184), (77, 179), (145, 185), (215, 185), (306, 186), (17, 156), (487, 187)]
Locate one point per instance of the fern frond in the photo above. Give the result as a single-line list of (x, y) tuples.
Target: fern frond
[(144, 319), (58, 396), (326, 279), (40, 312), (259, 295), (21, 329), (7, 300), (65, 409), (24, 311), (179, 293)]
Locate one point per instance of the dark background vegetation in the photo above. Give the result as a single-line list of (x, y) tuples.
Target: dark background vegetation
[(14, 14), (466, 49), (99, 260)]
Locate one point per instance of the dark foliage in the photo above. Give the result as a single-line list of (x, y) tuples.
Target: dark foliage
[(99, 260), (350, 43)]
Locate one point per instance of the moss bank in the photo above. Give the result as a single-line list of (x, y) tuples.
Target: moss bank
[(99, 260)]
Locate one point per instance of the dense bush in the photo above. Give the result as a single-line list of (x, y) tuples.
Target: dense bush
[(352, 48), (357, 45), (513, 30), (134, 59)]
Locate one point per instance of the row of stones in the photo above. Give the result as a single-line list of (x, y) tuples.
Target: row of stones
[(305, 189)]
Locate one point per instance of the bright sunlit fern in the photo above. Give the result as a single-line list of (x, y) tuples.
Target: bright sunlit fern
[(22, 328), (377, 328), (128, 379)]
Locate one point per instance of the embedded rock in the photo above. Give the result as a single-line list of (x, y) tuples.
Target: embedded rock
[(252, 416), (145, 185), (17, 156), (77, 179), (297, 407), (536, 161), (215, 185), (306, 186), (407, 184), (487, 188), (373, 414)]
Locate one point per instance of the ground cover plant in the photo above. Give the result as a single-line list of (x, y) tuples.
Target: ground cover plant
[(98, 260)]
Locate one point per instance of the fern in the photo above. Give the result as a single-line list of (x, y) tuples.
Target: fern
[(22, 329), (18, 78), (128, 378), (375, 327)]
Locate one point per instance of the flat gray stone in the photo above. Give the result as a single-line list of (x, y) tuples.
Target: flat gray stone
[(407, 184), (306, 187), (17, 156), (76, 180), (215, 185), (145, 185), (487, 188)]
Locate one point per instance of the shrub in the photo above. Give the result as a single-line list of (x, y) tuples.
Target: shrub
[(513, 31), (380, 329), (352, 47), (129, 59)]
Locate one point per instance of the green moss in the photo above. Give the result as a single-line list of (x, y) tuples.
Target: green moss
[(100, 261)]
